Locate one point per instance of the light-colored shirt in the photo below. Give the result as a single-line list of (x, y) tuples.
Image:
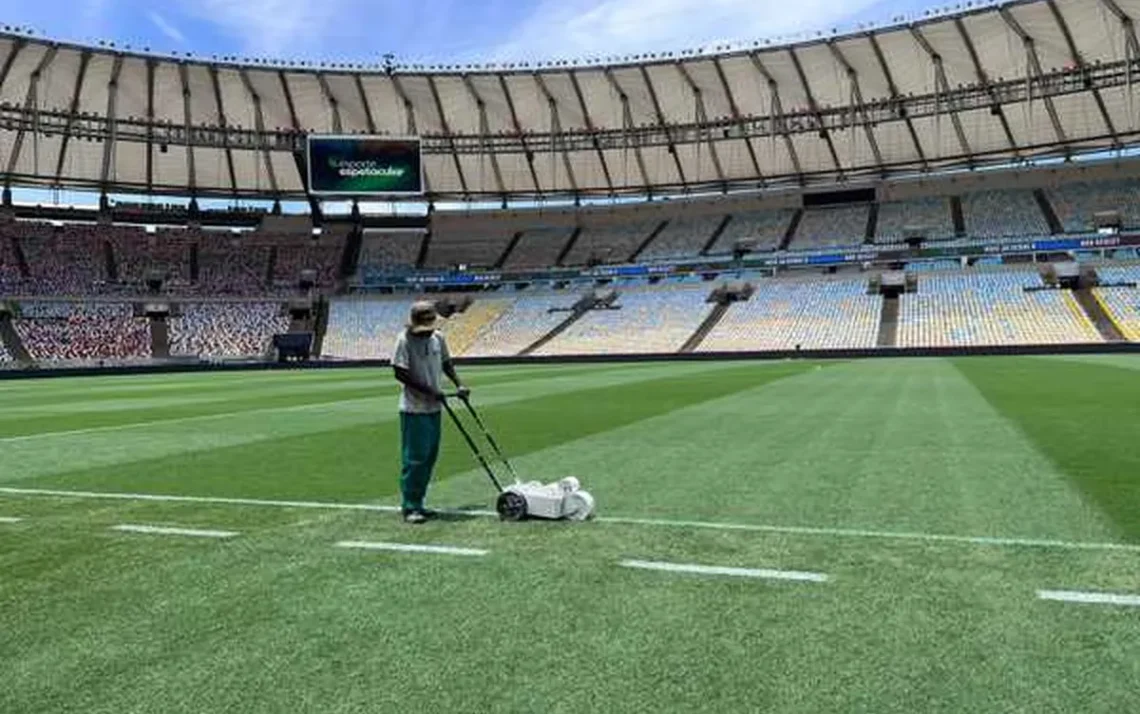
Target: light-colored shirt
[(423, 357)]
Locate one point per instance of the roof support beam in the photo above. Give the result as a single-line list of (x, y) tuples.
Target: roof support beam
[(410, 124), (369, 121), (858, 103), (338, 125), (627, 121), (984, 79), (72, 109), (1079, 61), (664, 125), (736, 115), (896, 98), (1127, 25), (556, 132), (112, 123), (223, 126), (703, 118), (824, 133), (1035, 65), (944, 86), (484, 133), (30, 107), (150, 67), (777, 112), (590, 128), (447, 132), (519, 132), (191, 173), (259, 121), (6, 69)]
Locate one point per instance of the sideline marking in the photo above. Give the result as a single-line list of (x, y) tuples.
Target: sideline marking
[(1086, 598), (409, 548), (720, 570), (177, 420), (745, 527), (161, 530), (10, 519)]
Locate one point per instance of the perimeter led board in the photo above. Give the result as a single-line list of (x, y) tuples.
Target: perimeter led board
[(365, 166)]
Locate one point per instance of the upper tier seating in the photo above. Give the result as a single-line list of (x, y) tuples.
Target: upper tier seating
[(763, 228), (812, 314), (649, 320), (1077, 203), (609, 243), (831, 226), (999, 214), (231, 264), (386, 252), (226, 329), (453, 245), (931, 213), (682, 237), (989, 308), (539, 247)]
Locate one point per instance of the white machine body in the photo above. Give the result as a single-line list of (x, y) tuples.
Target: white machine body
[(559, 500)]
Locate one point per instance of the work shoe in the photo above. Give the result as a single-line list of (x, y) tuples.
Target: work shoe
[(414, 517)]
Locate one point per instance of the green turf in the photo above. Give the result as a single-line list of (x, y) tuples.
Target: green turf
[(882, 457)]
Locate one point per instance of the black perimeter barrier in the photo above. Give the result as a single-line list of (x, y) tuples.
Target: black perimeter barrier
[(882, 352)]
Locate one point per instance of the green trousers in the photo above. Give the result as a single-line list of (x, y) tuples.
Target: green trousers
[(419, 440)]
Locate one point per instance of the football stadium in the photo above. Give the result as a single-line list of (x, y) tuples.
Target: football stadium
[(793, 376)]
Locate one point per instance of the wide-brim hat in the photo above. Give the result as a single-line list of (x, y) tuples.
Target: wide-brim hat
[(423, 317)]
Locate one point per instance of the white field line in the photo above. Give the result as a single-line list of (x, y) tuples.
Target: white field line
[(410, 548), (10, 519), (162, 530), (720, 570), (175, 420), (665, 523), (1086, 598)]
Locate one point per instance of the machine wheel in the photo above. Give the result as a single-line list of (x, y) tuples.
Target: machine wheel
[(511, 506), (579, 506)]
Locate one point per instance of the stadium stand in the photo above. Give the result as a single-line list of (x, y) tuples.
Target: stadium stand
[(539, 247), (453, 245), (1003, 213), (387, 253), (137, 253), (519, 326), (464, 328), (5, 358), (765, 228), (1123, 307), (363, 328), (989, 308), (241, 329), (10, 277), (648, 320), (62, 262), (784, 314), (682, 237), (831, 227), (931, 213), (59, 331), (609, 243), (299, 253), (1077, 203), (231, 264)]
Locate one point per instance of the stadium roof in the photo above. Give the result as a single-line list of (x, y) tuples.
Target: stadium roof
[(990, 85)]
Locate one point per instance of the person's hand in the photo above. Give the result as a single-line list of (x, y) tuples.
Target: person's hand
[(463, 393)]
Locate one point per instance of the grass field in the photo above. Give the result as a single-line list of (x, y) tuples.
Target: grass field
[(932, 501)]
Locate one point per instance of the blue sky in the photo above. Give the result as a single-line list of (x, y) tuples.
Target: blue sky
[(438, 31)]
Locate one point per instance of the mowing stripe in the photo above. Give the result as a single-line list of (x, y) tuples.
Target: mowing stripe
[(409, 548), (1085, 598), (159, 530), (720, 570), (745, 527), (177, 420), (10, 519)]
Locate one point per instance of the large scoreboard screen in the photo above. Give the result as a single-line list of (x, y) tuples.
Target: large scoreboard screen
[(364, 166)]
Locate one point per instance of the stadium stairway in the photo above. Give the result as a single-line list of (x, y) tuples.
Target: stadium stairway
[(1098, 316), (12, 341), (889, 322), (464, 328), (159, 337), (1047, 210), (580, 308), (714, 317)]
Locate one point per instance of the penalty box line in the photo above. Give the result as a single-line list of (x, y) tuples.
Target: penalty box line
[(616, 520)]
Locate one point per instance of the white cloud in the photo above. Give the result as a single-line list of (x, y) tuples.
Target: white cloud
[(591, 28), (271, 28), (165, 27)]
